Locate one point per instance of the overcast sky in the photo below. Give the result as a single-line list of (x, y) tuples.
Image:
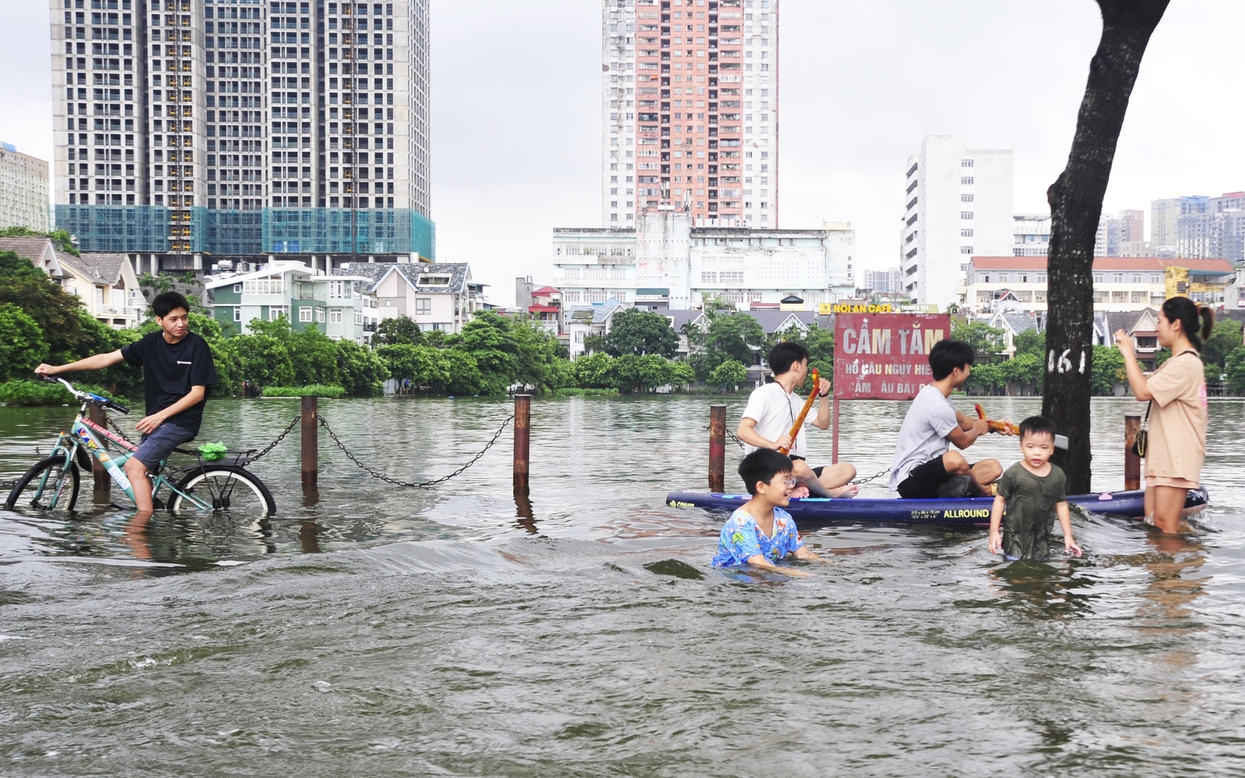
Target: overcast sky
[(516, 118)]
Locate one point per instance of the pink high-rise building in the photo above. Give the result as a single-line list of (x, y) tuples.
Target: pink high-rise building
[(690, 110)]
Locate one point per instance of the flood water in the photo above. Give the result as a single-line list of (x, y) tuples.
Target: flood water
[(371, 630)]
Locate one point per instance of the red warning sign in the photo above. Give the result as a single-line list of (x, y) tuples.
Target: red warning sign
[(885, 356)]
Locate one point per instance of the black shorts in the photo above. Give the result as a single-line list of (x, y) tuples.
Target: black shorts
[(923, 480), (816, 470)]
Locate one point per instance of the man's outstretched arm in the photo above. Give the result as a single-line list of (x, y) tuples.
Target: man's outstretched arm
[(97, 362)]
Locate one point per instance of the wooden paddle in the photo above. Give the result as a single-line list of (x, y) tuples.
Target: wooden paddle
[(799, 421), (997, 426)]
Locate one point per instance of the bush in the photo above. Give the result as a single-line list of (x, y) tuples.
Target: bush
[(314, 390), (728, 375), (573, 392), (29, 393)]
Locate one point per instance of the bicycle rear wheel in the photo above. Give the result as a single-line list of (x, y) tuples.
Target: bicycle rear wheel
[(49, 484), (224, 487)]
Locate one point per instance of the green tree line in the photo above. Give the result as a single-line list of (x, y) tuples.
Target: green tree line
[(1222, 353), (40, 322)]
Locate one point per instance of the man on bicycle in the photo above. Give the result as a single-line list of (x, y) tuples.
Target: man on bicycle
[(177, 370)]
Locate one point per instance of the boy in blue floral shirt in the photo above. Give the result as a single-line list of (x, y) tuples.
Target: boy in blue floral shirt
[(761, 533)]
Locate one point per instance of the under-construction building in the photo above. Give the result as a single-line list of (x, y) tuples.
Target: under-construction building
[(194, 131)]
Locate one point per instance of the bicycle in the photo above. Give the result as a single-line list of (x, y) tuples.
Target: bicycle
[(208, 486)]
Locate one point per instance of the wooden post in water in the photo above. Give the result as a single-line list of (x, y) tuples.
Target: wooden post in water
[(1132, 462), (717, 448), (522, 439), (310, 419), (103, 484)]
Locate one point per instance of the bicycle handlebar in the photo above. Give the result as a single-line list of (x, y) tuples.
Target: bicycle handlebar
[(94, 399)]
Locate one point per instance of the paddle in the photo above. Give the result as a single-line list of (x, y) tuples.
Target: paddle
[(799, 421), (997, 426)]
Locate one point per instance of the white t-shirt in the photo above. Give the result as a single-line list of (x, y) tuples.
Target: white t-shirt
[(775, 409), (923, 436)]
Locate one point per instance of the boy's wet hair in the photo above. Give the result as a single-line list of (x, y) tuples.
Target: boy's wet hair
[(169, 301), (762, 465), (1037, 425), (947, 355), (785, 354)]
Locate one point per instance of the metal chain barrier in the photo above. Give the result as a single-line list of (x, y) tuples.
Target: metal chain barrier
[(873, 477), (870, 478), (410, 484), (731, 435), (275, 443), (240, 457), (120, 432)]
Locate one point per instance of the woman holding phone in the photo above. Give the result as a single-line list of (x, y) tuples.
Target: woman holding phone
[(1176, 445)]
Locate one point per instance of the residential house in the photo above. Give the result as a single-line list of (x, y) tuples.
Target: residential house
[(581, 321), (546, 308), (105, 283), (1012, 323), (1142, 325), (682, 322), (340, 306), (438, 297)]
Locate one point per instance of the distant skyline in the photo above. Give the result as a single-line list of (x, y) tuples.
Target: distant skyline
[(516, 120)]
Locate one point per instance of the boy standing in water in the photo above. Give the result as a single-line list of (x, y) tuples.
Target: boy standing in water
[(760, 533), (1031, 496)]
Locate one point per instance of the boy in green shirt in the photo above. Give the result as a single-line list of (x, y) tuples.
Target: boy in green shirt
[(1032, 493)]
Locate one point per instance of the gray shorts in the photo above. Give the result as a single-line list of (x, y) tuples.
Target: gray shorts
[(156, 447)]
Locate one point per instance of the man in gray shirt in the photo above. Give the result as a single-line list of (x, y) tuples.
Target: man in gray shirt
[(924, 464)]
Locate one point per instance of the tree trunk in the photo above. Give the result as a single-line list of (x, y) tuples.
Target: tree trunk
[(1076, 204)]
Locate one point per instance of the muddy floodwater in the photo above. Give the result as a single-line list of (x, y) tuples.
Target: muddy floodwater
[(372, 630)]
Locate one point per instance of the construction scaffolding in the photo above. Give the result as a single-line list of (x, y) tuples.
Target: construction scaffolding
[(147, 229), (232, 233), (345, 231), (116, 229)]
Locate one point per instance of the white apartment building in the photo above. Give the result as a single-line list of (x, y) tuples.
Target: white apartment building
[(1007, 284), (887, 281), (668, 263), (593, 265), (689, 110), (958, 204), (24, 198), (1031, 232), (180, 126)]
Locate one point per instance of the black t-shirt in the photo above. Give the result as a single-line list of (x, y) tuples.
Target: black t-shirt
[(169, 372)]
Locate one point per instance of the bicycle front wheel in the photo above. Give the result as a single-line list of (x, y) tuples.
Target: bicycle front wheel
[(48, 485), (224, 487)]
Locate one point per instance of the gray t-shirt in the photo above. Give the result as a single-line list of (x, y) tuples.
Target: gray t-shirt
[(923, 436)]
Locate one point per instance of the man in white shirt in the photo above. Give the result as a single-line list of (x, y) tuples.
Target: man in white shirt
[(924, 464), (771, 413)]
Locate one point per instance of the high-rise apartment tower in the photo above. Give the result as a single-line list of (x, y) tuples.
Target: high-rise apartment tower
[(690, 110), (959, 203), (1200, 227), (23, 189), (238, 128)]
